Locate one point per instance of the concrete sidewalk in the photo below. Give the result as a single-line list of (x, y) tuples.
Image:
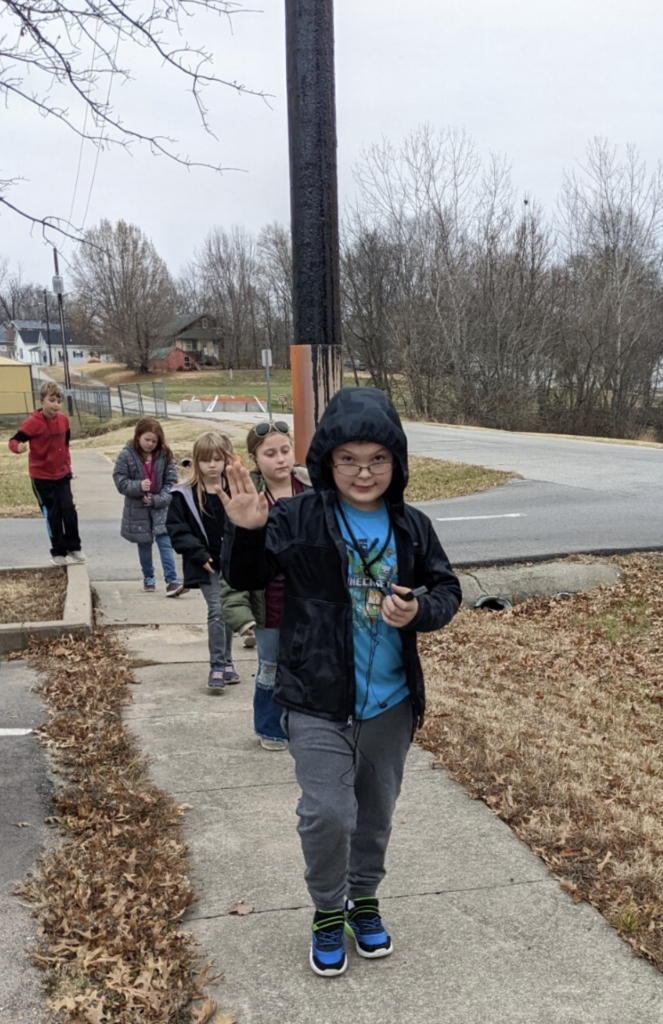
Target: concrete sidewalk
[(482, 932)]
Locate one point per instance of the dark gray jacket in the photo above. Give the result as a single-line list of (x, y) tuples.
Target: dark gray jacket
[(141, 523)]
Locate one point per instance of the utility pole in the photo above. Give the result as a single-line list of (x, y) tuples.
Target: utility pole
[(58, 288), (316, 355), (48, 330)]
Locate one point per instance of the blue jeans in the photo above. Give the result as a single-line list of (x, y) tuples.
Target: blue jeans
[(266, 714), (166, 554), (219, 634)]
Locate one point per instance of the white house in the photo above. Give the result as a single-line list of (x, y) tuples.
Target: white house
[(30, 340), (6, 348)]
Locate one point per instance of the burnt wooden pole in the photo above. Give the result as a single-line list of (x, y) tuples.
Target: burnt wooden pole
[(316, 356)]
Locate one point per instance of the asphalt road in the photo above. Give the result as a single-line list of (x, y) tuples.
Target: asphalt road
[(25, 794), (576, 496)]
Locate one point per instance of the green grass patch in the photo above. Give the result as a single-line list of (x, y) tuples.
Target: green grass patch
[(204, 383), (631, 620)]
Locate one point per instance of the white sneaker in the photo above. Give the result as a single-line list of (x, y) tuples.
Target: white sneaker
[(273, 744), (59, 560), (77, 556)]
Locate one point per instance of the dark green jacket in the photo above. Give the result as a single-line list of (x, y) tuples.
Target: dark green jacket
[(244, 608)]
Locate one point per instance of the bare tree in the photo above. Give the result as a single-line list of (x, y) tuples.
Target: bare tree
[(124, 288), (20, 300), (227, 268), (611, 338), (422, 200), (274, 289), (61, 57), (190, 299)]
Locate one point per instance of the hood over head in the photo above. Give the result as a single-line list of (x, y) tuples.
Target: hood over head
[(358, 414)]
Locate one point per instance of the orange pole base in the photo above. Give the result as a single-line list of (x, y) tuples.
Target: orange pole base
[(317, 374)]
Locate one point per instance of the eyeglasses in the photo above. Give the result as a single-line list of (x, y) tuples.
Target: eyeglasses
[(355, 468), (263, 429)]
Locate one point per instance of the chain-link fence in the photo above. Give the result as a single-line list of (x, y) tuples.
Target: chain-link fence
[(84, 405), (145, 399), (92, 400)]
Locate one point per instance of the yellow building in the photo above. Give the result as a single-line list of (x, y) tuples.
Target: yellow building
[(15, 388)]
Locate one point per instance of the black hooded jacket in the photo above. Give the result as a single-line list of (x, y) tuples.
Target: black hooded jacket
[(302, 540)]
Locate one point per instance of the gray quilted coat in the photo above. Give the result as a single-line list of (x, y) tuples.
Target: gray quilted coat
[(142, 523)]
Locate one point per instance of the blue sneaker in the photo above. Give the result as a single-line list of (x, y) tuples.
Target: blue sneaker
[(328, 944), (364, 924), (215, 681)]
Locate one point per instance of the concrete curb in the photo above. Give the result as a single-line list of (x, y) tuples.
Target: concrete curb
[(77, 616), (545, 579)]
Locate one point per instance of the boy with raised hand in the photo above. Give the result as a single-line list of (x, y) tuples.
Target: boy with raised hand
[(349, 677), (46, 431)]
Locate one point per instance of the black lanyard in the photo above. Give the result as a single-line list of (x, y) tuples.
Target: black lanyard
[(356, 546), (270, 497)]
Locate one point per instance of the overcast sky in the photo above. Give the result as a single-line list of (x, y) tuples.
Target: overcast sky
[(533, 80)]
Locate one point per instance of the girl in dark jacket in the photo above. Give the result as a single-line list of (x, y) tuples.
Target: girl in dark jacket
[(275, 474), (144, 473), (195, 522)]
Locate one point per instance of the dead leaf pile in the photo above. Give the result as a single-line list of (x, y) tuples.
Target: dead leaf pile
[(110, 900), (552, 713)]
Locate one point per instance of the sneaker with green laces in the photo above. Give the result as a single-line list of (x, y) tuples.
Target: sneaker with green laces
[(328, 957), (364, 924)]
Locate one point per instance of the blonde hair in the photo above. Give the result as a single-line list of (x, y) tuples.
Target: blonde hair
[(49, 387), (205, 447)]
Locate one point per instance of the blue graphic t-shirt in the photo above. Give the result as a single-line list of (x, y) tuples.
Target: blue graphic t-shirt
[(379, 670)]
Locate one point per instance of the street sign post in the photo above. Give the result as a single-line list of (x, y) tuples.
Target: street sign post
[(267, 362)]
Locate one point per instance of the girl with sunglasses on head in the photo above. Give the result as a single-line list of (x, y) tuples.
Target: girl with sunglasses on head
[(276, 475), (196, 521)]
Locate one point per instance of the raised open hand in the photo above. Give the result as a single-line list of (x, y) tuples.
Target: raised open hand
[(244, 506)]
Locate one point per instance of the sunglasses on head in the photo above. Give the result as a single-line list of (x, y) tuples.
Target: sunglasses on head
[(263, 429)]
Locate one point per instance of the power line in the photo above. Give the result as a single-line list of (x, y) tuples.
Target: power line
[(83, 139), (96, 159)]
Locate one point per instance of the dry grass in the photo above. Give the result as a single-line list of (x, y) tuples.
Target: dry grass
[(552, 713), (430, 479), (110, 899), (16, 494), (35, 595), (180, 435), (434, 479)]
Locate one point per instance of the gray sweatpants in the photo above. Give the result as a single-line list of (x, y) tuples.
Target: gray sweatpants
[(350, 776), (219, 633)]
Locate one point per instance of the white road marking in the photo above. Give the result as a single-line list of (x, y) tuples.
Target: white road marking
[(505, 515), (14, 732)]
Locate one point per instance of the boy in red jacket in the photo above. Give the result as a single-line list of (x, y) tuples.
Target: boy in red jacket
[(49, 465)]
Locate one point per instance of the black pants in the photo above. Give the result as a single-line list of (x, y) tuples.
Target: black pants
[(57, 505)]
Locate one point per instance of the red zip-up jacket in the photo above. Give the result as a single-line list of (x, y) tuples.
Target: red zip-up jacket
[(49, 457)]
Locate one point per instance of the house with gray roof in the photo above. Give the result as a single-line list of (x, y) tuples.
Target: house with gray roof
[(30, 340), (192, 341)]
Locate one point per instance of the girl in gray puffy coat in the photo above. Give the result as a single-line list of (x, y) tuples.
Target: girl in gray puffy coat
[(144, 473)]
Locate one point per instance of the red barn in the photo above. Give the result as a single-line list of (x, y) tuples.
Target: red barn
[(172, 358)]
